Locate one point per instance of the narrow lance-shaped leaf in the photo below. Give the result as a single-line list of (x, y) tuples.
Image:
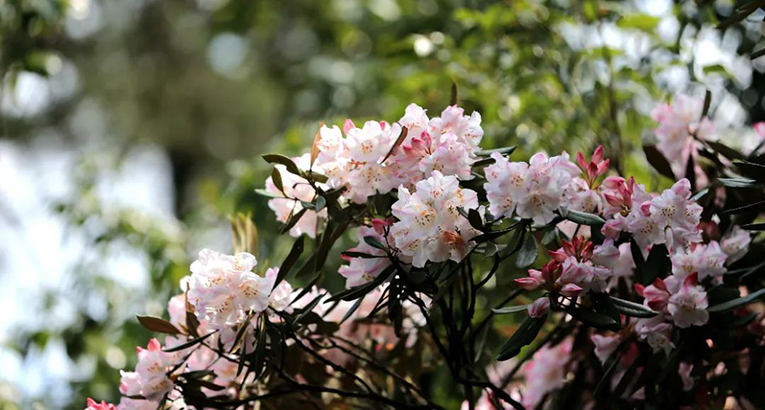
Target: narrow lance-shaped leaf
[(736, 303), (528, 253), (454, 94), (276, 178), (374, 242), (525, 334), (159, 325), (594, 319), (189, 343), (632, 309), (658, 161), (741, 183), (657, 265), (584, 218), (289, 261), (510, 309), (283, 160)]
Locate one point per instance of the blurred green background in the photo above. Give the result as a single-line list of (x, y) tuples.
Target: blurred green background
[(131, 130)]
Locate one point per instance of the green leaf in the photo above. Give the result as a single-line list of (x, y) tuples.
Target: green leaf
[(631, 309), (320, 204), (503, 151), (525, 334), (594, 319), (707, 98), (474, 217), (658, 161), (283, 160), (510, 309), (159, 325), (267, 194), (293, 221), (352, 254), (585, 218), (528, 253), (289, 261), (736, 303), (751, 169), (189, 343), (454, 94), (724, 150), (375, 243), (657, 265), (741, 183), (276, 177)]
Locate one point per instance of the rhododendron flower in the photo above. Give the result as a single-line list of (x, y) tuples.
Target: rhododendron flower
[(540, 307), (545, 372), (688, 305), (656, 332), (605, 345), (362, 270), (706, 260), (735, 244), (684, 370), (295, 189), (429, 227), (678, 123), (223, 288), (534, 190)]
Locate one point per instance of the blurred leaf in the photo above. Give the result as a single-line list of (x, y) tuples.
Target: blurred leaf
[(525, 334), (631, 309), (658, 161), (288, 163), (584, 218), (159, 325), (528, 253), (736, 303), (289, 261)]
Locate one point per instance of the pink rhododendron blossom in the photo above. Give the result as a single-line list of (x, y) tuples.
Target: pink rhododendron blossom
[(539, 308), (678, 123), (735, 244), (684, 370), (534, 190), (688, 304), (656, 332), (545, 372), (605, 345), (706, 260)]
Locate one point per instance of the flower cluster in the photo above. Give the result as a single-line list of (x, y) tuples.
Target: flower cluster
[(366, 161), (679, 123), (223, 289), (671, 218), (534, 190), (579, 266), (430, 226), (149, 380)]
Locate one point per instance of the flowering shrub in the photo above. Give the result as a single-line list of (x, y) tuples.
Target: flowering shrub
[(639, 299)]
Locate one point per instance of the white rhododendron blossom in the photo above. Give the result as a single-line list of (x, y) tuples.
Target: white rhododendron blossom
[(430, 227), (223, 289)]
